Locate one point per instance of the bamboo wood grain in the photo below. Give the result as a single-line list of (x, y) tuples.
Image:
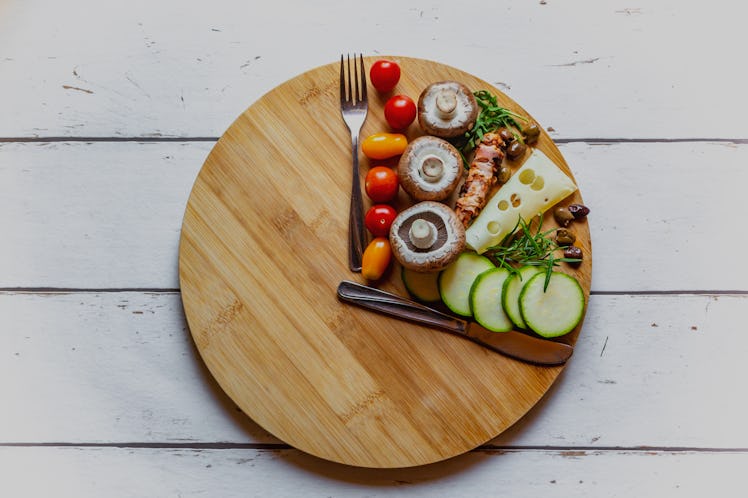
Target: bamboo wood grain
[(262, 249)]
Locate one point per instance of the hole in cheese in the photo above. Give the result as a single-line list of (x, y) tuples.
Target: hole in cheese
[(493, 227), (503, 205), (516, 201), (527, 176), (538, 184)]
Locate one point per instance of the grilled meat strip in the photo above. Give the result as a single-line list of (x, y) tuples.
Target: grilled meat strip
[(481, 177)]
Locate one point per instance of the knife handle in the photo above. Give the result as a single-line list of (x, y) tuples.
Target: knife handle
[(399, 307)]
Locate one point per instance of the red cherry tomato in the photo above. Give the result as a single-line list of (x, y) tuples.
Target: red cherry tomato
[(379, 218), (400, 111), (384, 75), (381, 184)]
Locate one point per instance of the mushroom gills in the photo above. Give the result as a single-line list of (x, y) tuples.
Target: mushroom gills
[(436, 236), (427, 237)]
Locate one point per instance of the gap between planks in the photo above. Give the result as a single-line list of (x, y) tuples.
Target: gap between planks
[(589, 140), (579, 450), (564, 450), (167, 290)]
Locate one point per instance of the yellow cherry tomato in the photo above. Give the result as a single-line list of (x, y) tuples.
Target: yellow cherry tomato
[(384, 145), (376, 258)]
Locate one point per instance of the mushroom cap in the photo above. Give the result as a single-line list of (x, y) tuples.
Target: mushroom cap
[(450, 237), (433, 122), (412, 177)]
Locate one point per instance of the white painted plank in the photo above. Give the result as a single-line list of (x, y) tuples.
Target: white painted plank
[(94, 215), (664, 214), (108, 215), (665, 68), (108, 367), (128, 472), (659, 370)]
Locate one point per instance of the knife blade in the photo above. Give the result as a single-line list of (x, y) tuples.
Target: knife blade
[(514, 344)]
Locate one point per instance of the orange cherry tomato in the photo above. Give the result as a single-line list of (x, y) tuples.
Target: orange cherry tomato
[(384, 145), (376, 258)]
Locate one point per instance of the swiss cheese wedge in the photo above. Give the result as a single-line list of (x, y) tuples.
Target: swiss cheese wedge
[(535, 187)]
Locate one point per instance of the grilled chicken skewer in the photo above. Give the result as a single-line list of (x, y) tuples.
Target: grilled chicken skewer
[(482, 175)]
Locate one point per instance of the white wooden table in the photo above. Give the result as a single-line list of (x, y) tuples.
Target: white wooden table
[(108, 110)]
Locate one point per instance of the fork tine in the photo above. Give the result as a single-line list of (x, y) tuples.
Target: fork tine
[(363, 78), (357, 95), (349, 94)]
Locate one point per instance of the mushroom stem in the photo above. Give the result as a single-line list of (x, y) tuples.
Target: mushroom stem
[(446, 103), (422, 233), (432, 168)]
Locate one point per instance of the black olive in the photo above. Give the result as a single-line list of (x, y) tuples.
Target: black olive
[(578, 211), (505, 135), (516, 149), (573, 252)]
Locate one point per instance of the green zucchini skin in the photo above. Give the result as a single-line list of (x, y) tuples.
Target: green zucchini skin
[(485, 300), (511, 291), (456, 280), (422, 286), (555, 311)]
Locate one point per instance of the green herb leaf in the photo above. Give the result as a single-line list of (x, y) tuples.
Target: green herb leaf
[(490, 118), (522, 247)]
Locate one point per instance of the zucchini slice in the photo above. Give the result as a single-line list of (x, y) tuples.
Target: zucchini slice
[(555, 311), (423, 286), (510, 293), (485, 300), (456, 280)]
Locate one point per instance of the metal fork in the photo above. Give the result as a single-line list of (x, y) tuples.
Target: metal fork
[(353, 107)]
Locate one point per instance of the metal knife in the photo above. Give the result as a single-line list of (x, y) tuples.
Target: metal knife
[(513, 344)]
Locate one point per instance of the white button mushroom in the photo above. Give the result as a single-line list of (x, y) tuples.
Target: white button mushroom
[(447, 109), (427, 237), (432, 168), (429, 169), (446, 103)]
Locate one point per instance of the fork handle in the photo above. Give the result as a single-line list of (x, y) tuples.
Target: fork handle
[(356, 234)]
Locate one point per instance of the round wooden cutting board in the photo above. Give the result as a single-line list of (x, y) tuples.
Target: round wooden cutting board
[(263, 248)]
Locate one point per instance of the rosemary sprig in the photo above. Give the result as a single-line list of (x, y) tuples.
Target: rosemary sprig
[(524, 247), (490, 118)]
